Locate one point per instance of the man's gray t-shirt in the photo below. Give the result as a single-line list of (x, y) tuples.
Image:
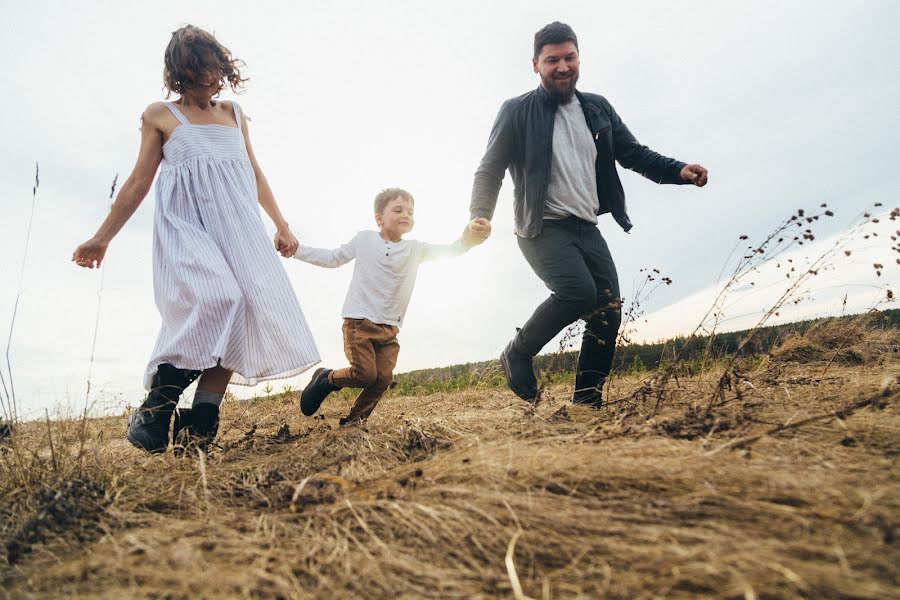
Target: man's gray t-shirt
[(573, 179)]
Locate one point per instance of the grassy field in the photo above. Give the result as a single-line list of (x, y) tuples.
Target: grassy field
[(779, 481)]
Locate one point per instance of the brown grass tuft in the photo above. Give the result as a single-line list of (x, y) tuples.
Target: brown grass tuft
[(788, 489)]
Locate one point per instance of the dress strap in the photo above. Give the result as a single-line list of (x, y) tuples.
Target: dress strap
[(237, 113), (181, 118)]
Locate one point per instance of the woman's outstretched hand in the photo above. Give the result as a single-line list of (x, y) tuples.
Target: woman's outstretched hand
[(285, 242), (90, 253)]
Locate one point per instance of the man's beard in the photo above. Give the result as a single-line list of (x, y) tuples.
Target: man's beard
[(562, 94)]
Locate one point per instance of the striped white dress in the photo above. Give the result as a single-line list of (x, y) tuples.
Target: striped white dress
[(223, 294)]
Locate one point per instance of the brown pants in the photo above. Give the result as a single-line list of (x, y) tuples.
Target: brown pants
[(372, 350)]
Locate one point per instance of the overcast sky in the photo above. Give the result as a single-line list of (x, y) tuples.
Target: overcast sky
[(788, 104)]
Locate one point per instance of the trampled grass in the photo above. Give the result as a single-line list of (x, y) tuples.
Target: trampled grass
[(785, 488)]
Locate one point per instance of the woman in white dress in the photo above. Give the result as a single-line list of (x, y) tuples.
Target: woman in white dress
[(227, 306)]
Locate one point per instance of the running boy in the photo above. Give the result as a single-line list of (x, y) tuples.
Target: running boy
[(382, 283)]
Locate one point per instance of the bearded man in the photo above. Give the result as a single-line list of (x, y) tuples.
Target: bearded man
[(560, 146)]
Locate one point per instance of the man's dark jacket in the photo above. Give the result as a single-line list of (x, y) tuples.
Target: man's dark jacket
[(522, 139)]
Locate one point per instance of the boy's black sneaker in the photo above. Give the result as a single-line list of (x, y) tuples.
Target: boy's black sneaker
[(519, 371), (315, 393), (148, 425)]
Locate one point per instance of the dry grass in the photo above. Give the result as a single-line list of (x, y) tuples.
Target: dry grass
[(474, 494)]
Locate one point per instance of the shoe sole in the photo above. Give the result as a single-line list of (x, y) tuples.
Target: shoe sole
[(518, 392)]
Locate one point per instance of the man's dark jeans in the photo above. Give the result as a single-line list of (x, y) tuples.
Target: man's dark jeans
[(573, 260)]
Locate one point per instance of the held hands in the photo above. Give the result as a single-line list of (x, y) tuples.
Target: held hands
[(285, 242), (476, 232), (90, 253), (695, 174)]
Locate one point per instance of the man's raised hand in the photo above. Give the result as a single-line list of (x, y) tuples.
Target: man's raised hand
[(695, 174)]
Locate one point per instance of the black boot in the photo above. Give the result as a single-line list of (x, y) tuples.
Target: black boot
[(588, 396), (315, 393), (195, 427), (598, 346), (148, 426), (519, 370), (588, 386)]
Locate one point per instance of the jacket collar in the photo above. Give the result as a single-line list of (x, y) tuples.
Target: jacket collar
[(585, 105)]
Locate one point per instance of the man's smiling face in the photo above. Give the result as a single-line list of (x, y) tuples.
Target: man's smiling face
[(557, 64)]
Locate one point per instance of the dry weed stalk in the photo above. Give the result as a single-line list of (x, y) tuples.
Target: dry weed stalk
[(777, 243), (87, 392), (9, 403), (651, 279), (824, 261)]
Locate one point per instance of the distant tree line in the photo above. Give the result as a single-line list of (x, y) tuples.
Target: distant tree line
[(629, 358)]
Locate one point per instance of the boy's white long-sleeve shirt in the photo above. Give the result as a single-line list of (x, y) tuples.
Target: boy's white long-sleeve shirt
[(384, 274)]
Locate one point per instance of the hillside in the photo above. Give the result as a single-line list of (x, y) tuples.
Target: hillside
[(699, 351), (779, 481)]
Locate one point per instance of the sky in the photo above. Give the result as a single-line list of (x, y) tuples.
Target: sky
[(789, 105)]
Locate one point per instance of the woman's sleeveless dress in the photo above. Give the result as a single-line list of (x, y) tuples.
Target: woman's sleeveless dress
[(223, 294)]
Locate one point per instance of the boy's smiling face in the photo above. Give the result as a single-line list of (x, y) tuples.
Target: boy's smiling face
[(396, 219)]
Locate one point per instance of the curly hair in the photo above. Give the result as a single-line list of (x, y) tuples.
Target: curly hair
[(193, 53)]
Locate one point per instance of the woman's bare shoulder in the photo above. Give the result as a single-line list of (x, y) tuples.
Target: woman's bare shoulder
[(155, 113)]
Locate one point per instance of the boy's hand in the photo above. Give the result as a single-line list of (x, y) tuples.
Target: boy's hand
[(90, 253), (285, 242), (476, 232)]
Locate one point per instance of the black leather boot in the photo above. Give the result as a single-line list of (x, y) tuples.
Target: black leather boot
[(148, 426), (588, 396), (518, 366), (195, 427)]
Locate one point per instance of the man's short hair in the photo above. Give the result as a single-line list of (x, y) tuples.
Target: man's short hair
[(385, 196), (554, 33)]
